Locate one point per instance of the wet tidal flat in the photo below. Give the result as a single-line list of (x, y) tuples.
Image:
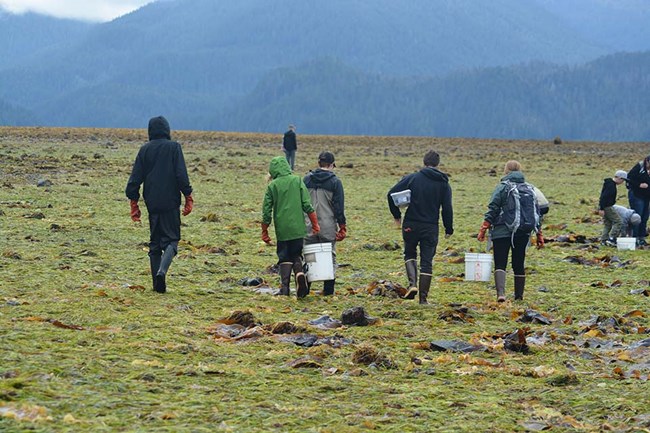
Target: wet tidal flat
[(86, 345)]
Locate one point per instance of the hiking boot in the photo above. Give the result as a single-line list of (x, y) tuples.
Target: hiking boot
[(608, 243), (641, 242), (412, 275)]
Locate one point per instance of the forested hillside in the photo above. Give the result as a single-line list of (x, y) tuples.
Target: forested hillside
[(340, 66), (603, 100)]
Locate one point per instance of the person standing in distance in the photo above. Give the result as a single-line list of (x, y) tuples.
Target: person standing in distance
[(290, 145), (327, 198), (430, 195), (160, 165)]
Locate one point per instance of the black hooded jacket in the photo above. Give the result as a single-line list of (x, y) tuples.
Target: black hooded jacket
[(638, 175), (160, 165), (289, 141), (430, 191)]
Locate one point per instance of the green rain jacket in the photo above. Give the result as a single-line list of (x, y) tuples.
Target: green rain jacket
[(285, 200)]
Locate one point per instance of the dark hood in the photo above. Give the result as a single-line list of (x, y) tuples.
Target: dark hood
[(320, 176), (159, 128), (435, 174)]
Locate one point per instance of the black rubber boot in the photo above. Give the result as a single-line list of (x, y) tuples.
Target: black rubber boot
[(520, 283), (425, 284), (160, 284), (412, 275), (154, 262), (500, 283), (302, 288), (328, 287), (285, 278)]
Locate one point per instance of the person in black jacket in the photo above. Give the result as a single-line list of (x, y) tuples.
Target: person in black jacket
[(430, 191), (160, 165), (328, 200), (290, 145), (611, 219), (638, 183)]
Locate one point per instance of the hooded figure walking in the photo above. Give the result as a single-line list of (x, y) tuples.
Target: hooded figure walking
[(160, 165), (430, 193), (285, 200)]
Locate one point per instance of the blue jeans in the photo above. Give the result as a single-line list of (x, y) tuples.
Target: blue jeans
[(640, 206), (291, 157)]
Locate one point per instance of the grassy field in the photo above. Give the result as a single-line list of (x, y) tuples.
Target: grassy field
[(86, 345)]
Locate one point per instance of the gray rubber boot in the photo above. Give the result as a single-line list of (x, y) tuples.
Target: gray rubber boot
[(154, 262), (500, 283), (328, 287), (302, 288), (520, 284), (160, 284), (425, 284), (285, 278), (412, 275)]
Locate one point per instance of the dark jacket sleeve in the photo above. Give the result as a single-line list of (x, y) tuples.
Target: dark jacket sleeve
[(182, 178), (399, 186), (338, 202), (136, 179), (448, 212), (495, 205), (607, 195)]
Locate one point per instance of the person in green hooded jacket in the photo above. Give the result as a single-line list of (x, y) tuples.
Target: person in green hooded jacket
[(285, 202)]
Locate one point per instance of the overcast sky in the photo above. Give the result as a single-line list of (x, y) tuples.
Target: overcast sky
[(92, 10)]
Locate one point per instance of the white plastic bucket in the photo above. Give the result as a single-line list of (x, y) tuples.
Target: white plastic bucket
[(478, 267), (319, 262), (401, 198), (626, 244)]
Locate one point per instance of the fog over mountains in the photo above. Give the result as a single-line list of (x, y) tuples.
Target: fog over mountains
[(504, 68)]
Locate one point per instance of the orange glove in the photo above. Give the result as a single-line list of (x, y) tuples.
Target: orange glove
[(540, 239), (265, 234), (341, 233), (315, 228), (135, 211), (481, 232), (189, 205)]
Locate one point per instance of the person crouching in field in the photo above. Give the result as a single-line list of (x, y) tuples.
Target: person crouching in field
[(327, 197), (629, 220), (160, 165), (285, 200), (430, 191), (612, 222), (511, 229)]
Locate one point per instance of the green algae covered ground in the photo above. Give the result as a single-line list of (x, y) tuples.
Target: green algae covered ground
[(85, 345)]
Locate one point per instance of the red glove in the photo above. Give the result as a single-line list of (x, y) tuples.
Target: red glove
[(315, 228), (481, 232), (189, 205), (540, 239), (265, 234), (135, 211), (341, 233)]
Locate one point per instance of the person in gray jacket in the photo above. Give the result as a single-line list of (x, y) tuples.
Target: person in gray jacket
[(327, 198), (630, 220)]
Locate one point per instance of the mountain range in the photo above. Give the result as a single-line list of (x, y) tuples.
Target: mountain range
[(504, 68)]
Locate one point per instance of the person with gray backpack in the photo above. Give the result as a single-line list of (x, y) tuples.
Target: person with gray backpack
[(513, 215)]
